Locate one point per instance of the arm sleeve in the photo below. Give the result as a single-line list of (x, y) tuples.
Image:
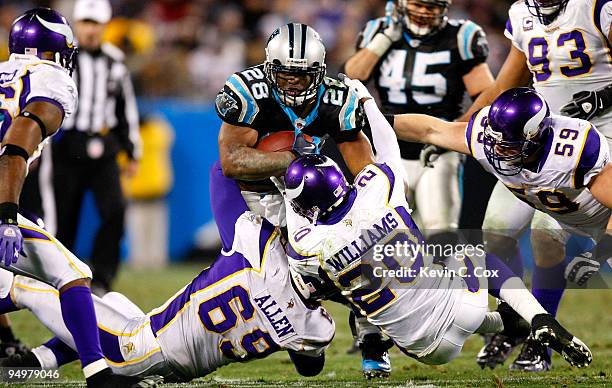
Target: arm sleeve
[(351, 119), (512, 31), (126, 112), (53, 85), (473, 46), (603, 16), (383, 136), (227, 204), (594, 157), (235, 104)]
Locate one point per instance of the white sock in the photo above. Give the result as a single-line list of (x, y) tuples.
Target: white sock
[(492, 323), (45, 357), (514, 292)]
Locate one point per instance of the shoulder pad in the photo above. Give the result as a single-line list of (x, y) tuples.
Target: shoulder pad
[(235, 102), (455, 22), (113, 51), (472, 41)]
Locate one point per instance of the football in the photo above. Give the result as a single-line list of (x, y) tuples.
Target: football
[(278, 141)]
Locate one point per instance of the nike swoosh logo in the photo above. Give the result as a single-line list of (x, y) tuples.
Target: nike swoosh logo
[(62, 29)]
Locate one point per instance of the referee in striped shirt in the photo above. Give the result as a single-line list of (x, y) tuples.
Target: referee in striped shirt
[(85, 154)]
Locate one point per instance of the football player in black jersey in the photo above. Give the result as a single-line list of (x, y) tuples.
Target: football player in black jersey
[(290, 91), (420, 61), (423, 62)]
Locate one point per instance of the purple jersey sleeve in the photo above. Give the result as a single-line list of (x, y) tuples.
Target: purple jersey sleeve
[(227, 204), (593, 158)]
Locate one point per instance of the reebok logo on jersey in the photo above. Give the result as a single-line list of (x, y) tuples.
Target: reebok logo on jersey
[(527, 24), (587, 107)]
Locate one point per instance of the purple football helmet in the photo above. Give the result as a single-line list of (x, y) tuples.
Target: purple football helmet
[(315, 185), (40, 31), (514, 126), (546, 10)]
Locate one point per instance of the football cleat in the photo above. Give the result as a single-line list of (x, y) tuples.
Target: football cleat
[(499, 346), (534, 357), (375, 361), (548, 331), (9, 348), (496, 351), (107, 379), (27, 360)]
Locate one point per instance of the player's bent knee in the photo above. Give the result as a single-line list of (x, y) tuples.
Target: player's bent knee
[(548, 249), (499, 244)]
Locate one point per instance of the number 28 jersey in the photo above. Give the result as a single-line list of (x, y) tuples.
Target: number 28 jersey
[(426, 76), (569, 55), (574, 152), (248, 100)]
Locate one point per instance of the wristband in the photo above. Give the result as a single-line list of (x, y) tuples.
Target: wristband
[(606, 97), (8, 213), (379, 44), (14, 150)]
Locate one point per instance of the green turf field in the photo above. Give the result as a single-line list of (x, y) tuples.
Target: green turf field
[(587, 313)]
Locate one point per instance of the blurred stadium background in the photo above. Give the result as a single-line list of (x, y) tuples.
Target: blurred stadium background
[(180, 52)]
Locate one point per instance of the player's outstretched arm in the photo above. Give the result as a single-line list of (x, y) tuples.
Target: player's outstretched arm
[(514, 73), (383, 135), (22, 138), (356, 153), (430, 130), (601, 186), (240, 160)]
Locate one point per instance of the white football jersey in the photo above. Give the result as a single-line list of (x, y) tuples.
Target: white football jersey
[(26, 78), (242, 307), (574, 153), (569, 55), (415, 311)]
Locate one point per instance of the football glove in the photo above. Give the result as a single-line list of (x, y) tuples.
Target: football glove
[(582, 267), (355, 86), (303, 146), (586, 105), (429, 154), (11, 243)]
